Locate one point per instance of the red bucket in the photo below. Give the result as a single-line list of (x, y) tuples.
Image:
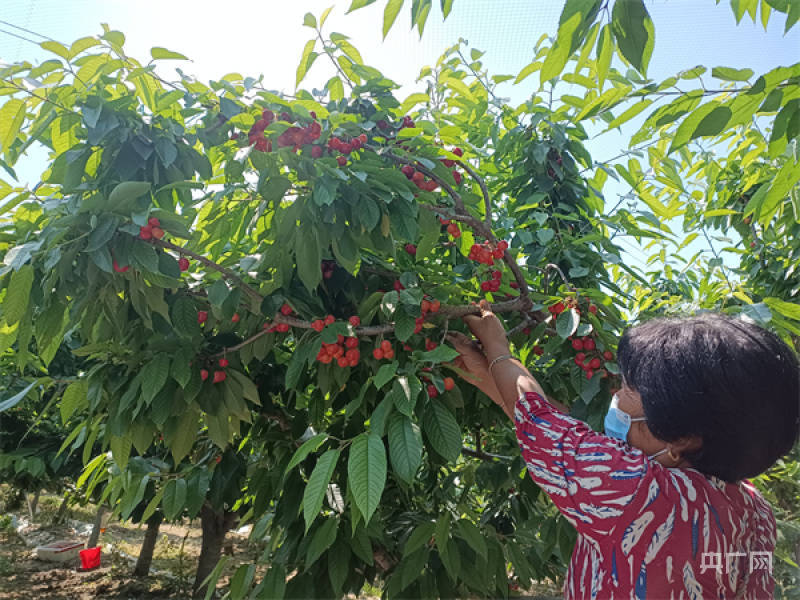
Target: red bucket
[(90, 558)]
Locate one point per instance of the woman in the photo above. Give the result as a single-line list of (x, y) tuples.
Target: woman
[(661, 503)]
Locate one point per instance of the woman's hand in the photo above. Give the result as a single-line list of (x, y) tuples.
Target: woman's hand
[(489, 330), (474, 364)]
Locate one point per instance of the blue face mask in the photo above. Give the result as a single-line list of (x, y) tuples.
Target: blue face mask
[(618, 423)]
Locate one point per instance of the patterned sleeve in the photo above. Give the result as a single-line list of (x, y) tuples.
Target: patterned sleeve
[(590, 477)]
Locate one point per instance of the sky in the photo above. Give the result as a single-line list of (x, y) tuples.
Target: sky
[(254, 37)]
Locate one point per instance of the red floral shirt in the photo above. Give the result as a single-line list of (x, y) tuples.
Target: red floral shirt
[(645, 530)]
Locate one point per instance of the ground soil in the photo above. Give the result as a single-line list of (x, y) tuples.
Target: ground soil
[(24, 577)]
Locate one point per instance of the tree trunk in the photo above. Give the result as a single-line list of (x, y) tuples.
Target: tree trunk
[(145, 559), (98, 524), (215, 525), (62, 510), (33, 503)]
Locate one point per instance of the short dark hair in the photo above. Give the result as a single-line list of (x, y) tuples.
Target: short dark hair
[(733, 384)]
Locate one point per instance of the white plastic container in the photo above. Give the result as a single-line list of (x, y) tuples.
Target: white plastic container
[(61, 551)]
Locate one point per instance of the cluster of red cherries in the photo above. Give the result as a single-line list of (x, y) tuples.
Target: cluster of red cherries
[(340, 145), (588, 358), (452, 228), (485, 254)]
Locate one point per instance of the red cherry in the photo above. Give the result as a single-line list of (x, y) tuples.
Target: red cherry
[(203, 374), (497, 275), (538, 350), (282, 327), (502, 245), (355, 321), (589, 373), (202, 316), (486, 286), (408, 171), (458, 152), (457, 177), (153, 222), (223, 362), (432, 391), (351, 342), (342, 362), (220, 376), (588, 344), (418, 177), (388, 354), (514, 285), (398, 286), (377, 353), (595, 363), (593, 309), (146, 233), (577, 345), (411, 249), (526, 330), (329, 320), (183, 263), (449, 383), (235, 318), (286, 310), (157, 232), (435, 306), (608, 355), (430, 345), (316, 151), (341, 160), (318, 325), (580, 357), (453, 230), (363, 138), (386, 345)]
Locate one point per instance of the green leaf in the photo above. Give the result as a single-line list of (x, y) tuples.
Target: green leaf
[(385, 374), (405, 391), (419, 537), (174, 498), (634, 31), (184, 318), (18, 294), (440, 354), (317, 485), (787, 309), (122, 196), (729, 74), (308, 258), (153, 376), (782, 183), (470, 533), (322, 539), (12, 115), (442, 430), (405, 446), (605, 52), (567, 323), (309, 446), (159, 53), (218, 292), (102, 234), (359, 4), (273, 585), (145, 256), (306, 60), (56, 48), (310, 20), (390, 14), (16, 398), (366, 473), (74, 399)]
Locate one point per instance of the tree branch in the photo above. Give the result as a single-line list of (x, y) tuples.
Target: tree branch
[(211, 265)]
